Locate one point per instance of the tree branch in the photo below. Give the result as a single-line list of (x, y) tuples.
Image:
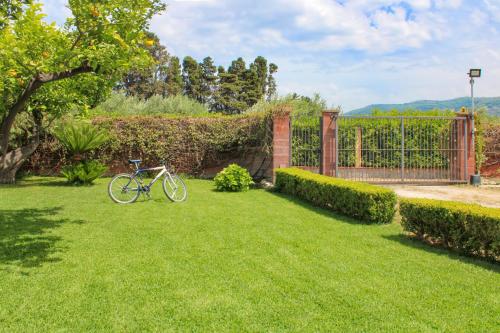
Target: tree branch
[(34, 84), (49, 77)]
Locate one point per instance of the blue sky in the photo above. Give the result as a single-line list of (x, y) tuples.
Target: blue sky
[(352, 52)]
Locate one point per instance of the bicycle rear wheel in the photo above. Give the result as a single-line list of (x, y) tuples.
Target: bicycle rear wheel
[(124, 189), (174, 188)]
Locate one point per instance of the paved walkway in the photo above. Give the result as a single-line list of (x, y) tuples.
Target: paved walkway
[(486, 195)]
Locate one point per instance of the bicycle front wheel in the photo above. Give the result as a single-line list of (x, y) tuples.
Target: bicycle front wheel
[(123, 189), (174, 188)]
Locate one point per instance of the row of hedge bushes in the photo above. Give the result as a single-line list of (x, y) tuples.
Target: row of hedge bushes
[(469, 228), (190, 144), (363, 201)]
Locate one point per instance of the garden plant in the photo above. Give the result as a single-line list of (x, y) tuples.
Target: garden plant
[(233, 178), (79, 138)]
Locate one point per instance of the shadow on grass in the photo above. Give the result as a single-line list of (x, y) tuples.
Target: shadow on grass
[(25, 238), (440, 251), (51, 182), (322, 211)]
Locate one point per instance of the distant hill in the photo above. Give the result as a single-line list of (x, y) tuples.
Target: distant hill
[(491, 103)]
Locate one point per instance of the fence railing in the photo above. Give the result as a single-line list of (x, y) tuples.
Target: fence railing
[(385, 148)]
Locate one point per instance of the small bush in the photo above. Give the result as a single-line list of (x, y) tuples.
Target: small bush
[(468, 228), (233, 179), (83, 173), (363, 201)]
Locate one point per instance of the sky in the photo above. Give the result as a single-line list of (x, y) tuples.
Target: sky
[(352, 52)]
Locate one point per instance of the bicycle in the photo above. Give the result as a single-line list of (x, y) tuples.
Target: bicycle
[(126, 188)]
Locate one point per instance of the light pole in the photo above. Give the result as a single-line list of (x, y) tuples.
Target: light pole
[(474, 73)]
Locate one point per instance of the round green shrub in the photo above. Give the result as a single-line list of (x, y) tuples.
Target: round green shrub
[(233, 179)]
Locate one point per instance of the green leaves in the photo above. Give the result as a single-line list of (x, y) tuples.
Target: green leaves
[(107, 35), (468, 228), (233, 179), (83, 173), (370, 203), (79, 138)]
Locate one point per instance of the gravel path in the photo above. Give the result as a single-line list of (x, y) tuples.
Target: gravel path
[(486, 195)]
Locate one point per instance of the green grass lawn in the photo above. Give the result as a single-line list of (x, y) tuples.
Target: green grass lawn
[(71, 260)]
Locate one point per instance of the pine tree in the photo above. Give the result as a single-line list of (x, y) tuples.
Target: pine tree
[(208, 80), (191, 73), (228, 91), (260, 64), (151, 81), (174, 83), (237, 68), (271, 82), (251, 89)]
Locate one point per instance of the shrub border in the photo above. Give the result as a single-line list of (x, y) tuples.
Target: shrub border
[(367, 202), (470, 229)]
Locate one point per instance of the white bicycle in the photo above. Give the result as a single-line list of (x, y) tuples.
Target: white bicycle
[(126, 188)]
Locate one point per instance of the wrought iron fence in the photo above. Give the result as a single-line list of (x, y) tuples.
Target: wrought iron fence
[(306, 142), (386, 148), (401, 148)]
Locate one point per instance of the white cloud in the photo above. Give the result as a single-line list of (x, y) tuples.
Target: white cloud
[(494, 9), (448, 3), (381, 26), (354, 52)]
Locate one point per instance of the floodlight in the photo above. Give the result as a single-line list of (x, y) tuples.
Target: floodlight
[(475, 72)]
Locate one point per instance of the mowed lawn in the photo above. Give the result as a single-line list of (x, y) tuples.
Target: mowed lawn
[(71, 260)]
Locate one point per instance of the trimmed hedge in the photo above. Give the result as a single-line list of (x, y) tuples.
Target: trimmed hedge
[(468, 228), (189, 144), (362, 201), (192, 145)]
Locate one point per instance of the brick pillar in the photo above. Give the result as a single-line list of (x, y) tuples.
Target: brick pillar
[(281, 140), (470, 154), (328, 154)]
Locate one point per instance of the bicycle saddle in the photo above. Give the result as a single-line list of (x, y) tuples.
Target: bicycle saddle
[(134, 161)]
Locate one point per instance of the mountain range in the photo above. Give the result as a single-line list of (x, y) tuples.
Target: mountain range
[(492, 104)]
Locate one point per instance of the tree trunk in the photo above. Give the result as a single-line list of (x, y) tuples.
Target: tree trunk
[(11, 162), (7, 176)]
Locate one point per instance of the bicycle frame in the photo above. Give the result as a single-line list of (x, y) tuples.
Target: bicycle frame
[(163, 170)]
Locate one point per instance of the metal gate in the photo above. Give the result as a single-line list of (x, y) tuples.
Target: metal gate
[(385, 149), (401, 149), (305, 142)]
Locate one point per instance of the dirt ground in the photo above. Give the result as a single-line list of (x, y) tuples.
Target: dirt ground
[(485, 195)]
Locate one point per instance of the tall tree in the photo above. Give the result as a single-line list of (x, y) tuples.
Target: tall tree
[(191, 73), (260, 65), (251, 89), (104, 38), (150, 81), (240, 87), (226, 97), (208, 80), (174, 83), (237, 67), (271, 82)]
